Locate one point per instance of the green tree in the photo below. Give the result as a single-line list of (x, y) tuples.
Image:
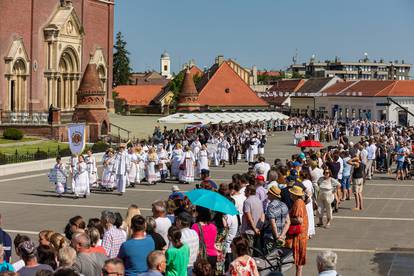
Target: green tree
[(119, 103), (121, 69)]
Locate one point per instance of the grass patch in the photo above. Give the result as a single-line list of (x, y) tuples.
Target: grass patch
[(25, 139), (46, 146)]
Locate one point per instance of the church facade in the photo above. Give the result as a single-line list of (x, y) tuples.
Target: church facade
[(46, 46)]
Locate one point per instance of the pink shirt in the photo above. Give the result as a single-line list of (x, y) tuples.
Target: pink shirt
[(210, 235)]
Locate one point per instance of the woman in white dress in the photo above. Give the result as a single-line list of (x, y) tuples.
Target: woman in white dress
[(202, 160), (142, 157), (108, 176), (81, 179), (133, 172), (72, 170), (163, 160), (177, 154), (187, 165), (195, 147), (306, 181), (59, 177), (92, 169), (151, 170)]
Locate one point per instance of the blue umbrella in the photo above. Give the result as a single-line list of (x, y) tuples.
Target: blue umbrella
[(212, 200)]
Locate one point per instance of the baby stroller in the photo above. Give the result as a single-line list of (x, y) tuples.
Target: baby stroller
[(278, 259)]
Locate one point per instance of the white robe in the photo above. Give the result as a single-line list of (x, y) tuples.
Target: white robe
[(202, 161), (187, 174), (175, 162), (121, 170), (151, 173), (92, 169), (61, 177), (309, 208), (72, 170), (134, 170), (108, 175), (195, 148), (223, 150), (81, 180)]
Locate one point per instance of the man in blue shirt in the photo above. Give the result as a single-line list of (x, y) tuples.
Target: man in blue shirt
[(6, 241), (134, 251)]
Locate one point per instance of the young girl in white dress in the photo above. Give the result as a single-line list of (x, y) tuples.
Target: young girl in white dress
[(81, 179), (108, 176), (202, 160), (59, 177)]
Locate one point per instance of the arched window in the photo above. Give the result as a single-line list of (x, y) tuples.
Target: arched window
[(18, 88), (65, 97)]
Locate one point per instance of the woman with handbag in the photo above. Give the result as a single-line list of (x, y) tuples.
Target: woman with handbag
[(298, 230)]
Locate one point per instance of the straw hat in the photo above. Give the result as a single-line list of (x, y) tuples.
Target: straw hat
[(296, 190), (275, 191)]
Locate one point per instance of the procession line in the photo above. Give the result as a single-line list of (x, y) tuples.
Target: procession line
[(348, 250), (69, 205), (374, 218)]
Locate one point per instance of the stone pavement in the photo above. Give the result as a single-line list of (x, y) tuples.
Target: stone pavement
[(377, 241)]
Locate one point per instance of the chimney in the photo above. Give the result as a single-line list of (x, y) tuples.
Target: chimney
[(254, 73), (219, 60)]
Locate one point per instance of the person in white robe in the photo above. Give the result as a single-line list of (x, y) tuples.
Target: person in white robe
[(121, 169), (81, 179), (202, 160), (72, 169), (187, 166), (214, 141), (195, 147), (108, 175), (58, 176), (151, 169), (223, 151), (306, 181), (250, 152), (134, 170), (177, 154), (142, 157), (163, 161), (92, 169)]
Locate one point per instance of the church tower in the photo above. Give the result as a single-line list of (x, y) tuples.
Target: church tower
[(165, 65), (188, 97)]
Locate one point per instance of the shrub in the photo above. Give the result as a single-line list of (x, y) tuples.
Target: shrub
[(65, 152), (100, 146), (13, 134), (40, 155)]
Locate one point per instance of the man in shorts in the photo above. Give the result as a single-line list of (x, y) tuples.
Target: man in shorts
[(357, 181)]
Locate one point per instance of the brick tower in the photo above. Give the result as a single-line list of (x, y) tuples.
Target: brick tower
[(90, 107), (188, 98)]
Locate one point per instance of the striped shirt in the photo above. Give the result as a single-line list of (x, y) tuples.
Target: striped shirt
[(112, 241)]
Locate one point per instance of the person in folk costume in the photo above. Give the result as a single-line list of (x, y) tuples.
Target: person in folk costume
[(297, 136), (81, 187), (133, 174), (142, 157), (214, 154), (121, 169), (108, 175), (195, 147), (163, 161), (91, 167), (202, 160), (251, 150), (187, 165), (177, 154), (262, 145), (151, 168), (168, 147), (223, 150), (61, 176), (72, 170)]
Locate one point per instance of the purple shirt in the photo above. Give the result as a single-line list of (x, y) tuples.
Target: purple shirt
[(261, 193)]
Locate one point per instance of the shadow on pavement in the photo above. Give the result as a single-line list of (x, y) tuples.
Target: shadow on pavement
[(400, 263)]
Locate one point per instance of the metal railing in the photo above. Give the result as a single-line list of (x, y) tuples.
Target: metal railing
[(118, 131)]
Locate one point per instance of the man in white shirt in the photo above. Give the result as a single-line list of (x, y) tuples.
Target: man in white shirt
[(371, 149), (262, 167), (188, 236), (161, 221)]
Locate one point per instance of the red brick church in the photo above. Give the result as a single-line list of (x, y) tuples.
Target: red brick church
[(45, 47)]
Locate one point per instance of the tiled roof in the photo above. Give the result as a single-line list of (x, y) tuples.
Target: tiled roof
[(314, 85), (269, 73), (274, 96), (138, 95), (194, 70), (372, 88), (223, 87), (151, 77)]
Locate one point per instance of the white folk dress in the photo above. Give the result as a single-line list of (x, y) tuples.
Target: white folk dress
[(81, 180), (134, 169), (121, 170), (223, 150), (175, 162), (60, 178), (309, 207), (195, 148), (108, 175), (187, 161), (92, 170), (152, 174)]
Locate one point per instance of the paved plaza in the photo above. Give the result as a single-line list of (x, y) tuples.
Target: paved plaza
[(377, 241)]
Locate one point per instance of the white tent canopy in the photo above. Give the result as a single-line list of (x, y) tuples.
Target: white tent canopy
[(224, 117)]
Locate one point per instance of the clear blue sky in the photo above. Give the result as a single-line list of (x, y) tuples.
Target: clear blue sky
[(264, 32)]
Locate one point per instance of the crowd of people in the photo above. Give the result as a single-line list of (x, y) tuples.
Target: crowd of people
[(277, 202)]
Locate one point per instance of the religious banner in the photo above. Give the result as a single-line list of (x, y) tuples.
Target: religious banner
[(76, 135)]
